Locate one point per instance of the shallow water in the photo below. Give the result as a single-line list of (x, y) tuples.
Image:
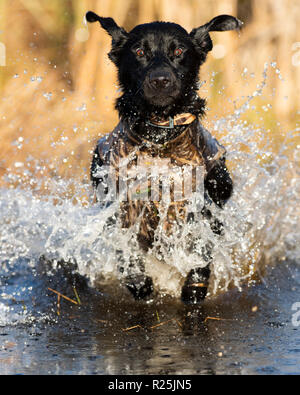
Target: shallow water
[(255, 333), (246, 330)]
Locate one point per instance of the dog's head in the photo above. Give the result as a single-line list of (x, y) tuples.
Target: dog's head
[(158, 63)]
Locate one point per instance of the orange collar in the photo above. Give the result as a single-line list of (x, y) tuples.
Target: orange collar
[(180, 119)]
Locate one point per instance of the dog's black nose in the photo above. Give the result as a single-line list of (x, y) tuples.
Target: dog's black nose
[(160, 79)]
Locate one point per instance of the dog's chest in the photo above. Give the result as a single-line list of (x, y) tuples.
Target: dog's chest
[(167, 162), (176, 153), (155, 177), (159, 178)]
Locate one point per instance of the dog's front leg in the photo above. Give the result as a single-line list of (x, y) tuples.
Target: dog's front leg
[(219, 186), (196, 283), (139, 285), (218, 183)]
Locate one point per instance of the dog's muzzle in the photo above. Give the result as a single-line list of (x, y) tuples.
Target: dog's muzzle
[(160, 87), (160, 80)]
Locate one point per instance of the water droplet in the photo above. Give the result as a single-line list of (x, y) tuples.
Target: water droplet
[(81, 108), (47, 95)]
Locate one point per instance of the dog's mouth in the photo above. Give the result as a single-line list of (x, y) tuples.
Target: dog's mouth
[(160, 99)]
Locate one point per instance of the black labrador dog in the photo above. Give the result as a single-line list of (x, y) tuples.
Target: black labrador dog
[(158, 66)]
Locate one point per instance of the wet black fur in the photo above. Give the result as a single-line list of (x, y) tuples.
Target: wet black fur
[(140, 101)]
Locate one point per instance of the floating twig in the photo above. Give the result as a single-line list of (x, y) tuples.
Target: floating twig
[(76, 294), (170, 320), (63, 296), (154, 326), (58, 304), (216, 318), (102, 321), (157, 316), (162, 323), (179, 323), (132, 327)]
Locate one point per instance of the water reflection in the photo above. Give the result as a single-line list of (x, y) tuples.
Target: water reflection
[(90, 339)]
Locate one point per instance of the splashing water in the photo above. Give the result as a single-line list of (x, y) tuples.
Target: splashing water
[(260, 222)]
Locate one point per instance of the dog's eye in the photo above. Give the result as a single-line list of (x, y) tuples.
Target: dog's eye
[(140, 52), (178, 51)]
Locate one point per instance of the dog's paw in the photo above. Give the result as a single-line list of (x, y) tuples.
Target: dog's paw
[(140, 286), (194, 293), (195, 287)]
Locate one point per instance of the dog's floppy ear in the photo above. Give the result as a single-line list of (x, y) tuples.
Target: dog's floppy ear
[(201, 37), (117, 33)]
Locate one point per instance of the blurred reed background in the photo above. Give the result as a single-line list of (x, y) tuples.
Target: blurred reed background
[(58, 87)]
